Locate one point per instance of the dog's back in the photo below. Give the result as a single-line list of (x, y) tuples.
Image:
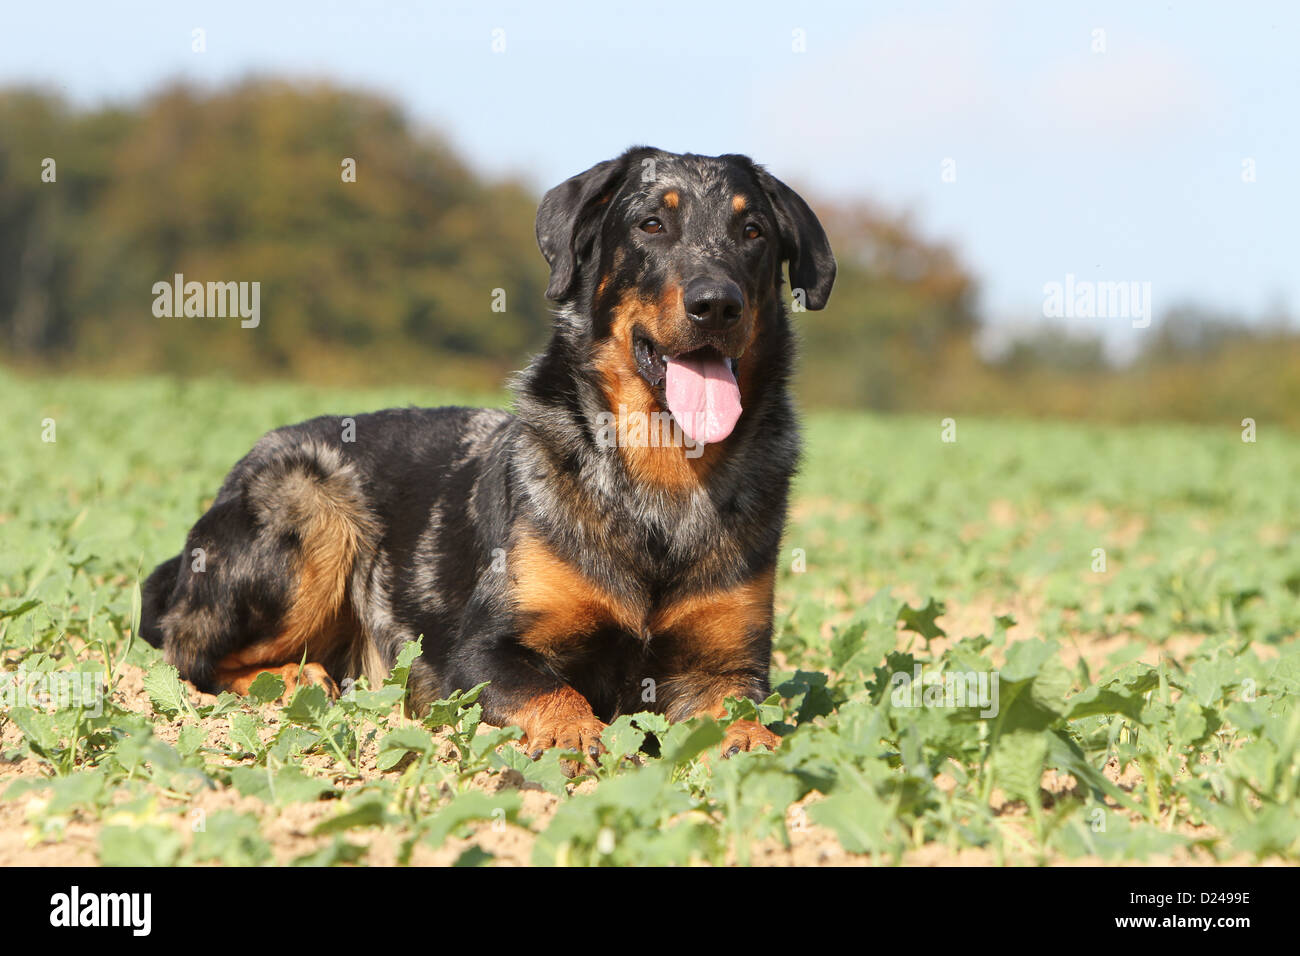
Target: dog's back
[(313, 537)]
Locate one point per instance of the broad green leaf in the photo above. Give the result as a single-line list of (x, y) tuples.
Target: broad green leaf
[(622, 738), (310, 706), (370, 813), (1122, 694), (401, 671), (163, 685), (190, 738), (923, 621), (398, 743), (18, 610), (232, 839), (266, 687), (472, 805), (243, 733), (37, 727), (282, 787), (684, 743), (339, 852), (147, 845), (1018, 759), (474, 856), (858, 817)]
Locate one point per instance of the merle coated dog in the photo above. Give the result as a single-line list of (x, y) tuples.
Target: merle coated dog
[(608, 548)]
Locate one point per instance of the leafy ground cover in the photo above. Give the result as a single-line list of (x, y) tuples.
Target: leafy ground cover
[(1125, 599)]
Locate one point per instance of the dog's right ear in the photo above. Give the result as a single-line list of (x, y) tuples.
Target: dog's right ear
[(803, 241), (567, 220)]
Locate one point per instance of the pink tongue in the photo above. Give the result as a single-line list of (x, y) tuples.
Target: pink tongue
[(703, 396)]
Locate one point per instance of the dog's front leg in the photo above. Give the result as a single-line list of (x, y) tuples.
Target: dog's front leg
[(522, 690), (714, 646)]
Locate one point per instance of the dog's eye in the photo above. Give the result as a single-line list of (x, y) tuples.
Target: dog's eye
[(752, 231), (652, 226)]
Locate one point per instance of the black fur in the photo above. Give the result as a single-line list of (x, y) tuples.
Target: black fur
[(437, 499)]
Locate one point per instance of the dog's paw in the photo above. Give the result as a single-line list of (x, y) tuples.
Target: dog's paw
[(748, 735), (560, 718), (579, 733), (310, 674), (292, 675)]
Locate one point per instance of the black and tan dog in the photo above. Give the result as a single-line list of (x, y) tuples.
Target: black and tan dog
[(607, 549)]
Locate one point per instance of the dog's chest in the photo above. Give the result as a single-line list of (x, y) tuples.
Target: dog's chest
[(566, 612)]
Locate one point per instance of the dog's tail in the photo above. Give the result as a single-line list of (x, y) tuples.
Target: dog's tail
[(155, 599)]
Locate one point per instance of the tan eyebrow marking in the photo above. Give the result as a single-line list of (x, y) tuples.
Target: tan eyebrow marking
[(671, 199), (738, 203)]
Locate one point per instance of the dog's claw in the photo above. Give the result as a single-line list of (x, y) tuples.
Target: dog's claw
[(748, 735)]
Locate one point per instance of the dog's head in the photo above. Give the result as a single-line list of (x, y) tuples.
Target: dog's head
[(675, 261)]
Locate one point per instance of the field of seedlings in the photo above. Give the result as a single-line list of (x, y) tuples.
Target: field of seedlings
[(997, 642)]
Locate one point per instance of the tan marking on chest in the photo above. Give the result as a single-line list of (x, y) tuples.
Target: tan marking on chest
[(560, 603), (715, 629)]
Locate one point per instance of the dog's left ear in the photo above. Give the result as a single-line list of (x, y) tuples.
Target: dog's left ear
[(567, 220), (803, 241)]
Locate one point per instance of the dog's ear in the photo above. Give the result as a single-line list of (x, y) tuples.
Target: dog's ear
[(803, 242), (567, 221)]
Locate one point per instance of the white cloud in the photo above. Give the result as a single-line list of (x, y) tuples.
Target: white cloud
[(915, 88), (1117, 97)]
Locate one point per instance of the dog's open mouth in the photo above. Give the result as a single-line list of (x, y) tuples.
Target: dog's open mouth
[(698, 387)]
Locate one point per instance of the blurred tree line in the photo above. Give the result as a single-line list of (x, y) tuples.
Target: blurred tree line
[(388, 277), (392, 277)]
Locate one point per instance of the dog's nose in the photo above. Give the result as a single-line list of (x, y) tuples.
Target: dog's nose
[(713, 304)]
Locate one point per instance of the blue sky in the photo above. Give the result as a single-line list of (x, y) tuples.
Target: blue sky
[(1118, 165)]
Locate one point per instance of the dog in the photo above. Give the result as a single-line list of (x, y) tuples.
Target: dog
[(608, 548)]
